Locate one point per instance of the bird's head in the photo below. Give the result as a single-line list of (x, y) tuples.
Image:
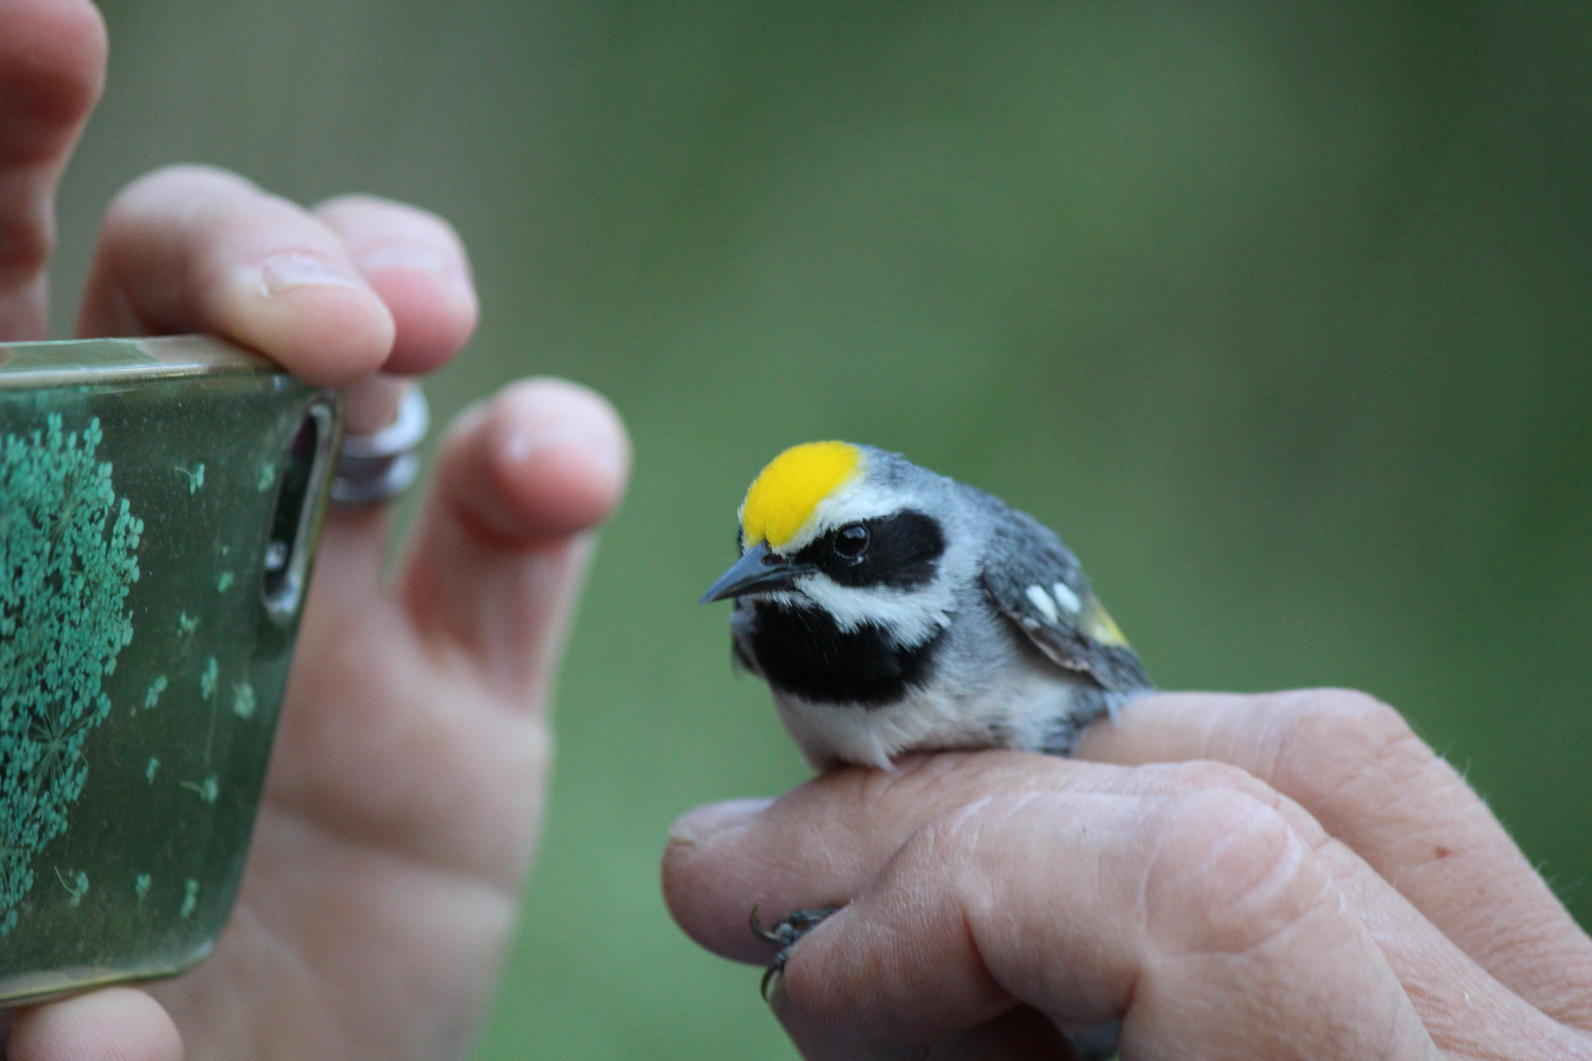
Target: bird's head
[(849, 528)]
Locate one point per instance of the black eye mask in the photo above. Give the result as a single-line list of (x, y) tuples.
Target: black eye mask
[(901, 551)]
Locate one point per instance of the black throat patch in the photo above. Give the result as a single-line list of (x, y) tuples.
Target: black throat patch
[(803, 651)]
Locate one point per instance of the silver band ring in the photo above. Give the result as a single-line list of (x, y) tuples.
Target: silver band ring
[(383, 464)]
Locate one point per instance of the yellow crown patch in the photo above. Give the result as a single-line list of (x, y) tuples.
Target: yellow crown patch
[(787, 492)]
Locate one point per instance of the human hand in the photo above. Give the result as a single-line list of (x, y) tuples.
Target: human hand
[(405, 790), (1293, 875)]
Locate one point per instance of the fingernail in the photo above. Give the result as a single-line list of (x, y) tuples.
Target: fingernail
[(283, 272), (702, 823)]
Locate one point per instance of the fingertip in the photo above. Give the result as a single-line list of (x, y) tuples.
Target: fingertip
[(555, 481), (498, 558), (556, 458), (701, 889), (433, 316), (417, 263), (52, 66), (196, 248), (310, 315), (115, 1024)]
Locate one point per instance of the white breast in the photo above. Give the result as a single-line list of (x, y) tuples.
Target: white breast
[(1018, 713)]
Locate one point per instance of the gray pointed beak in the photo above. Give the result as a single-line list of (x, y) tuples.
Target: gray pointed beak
[(758, 570)]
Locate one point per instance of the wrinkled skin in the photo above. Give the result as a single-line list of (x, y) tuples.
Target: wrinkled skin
[(1286, 876)]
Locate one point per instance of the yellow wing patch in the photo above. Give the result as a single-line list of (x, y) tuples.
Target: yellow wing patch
[(1098, 624), (785, 494)]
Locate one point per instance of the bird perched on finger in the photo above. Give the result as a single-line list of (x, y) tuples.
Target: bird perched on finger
[(891, 609)]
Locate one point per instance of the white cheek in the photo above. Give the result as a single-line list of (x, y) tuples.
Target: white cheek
[(912, 616), (784, 597)]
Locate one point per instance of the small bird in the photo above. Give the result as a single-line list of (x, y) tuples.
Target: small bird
[(891, 609)]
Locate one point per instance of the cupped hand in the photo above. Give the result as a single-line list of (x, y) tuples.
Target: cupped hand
[(405, 791), (1285, 876)]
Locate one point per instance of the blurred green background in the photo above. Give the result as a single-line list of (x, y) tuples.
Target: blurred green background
[(1280, 314)]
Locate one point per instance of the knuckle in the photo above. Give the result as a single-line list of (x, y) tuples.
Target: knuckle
[(971, 854), (813, 989), (950, 850), (1337, 742), (1212, 775), (207, 204), (950, 838), (1228, 873)]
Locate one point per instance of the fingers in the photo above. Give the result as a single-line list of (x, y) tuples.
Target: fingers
[(190, 248), (983, 880), (360, 284), (415, 263), (52, 66), (1201, 916), (115, 1024), (1357, 768), (499, 551), (825, 841)]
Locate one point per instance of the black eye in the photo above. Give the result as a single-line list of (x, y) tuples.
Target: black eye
[(851, 541)]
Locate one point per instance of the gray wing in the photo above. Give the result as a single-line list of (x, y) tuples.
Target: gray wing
[(1034, 581)]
